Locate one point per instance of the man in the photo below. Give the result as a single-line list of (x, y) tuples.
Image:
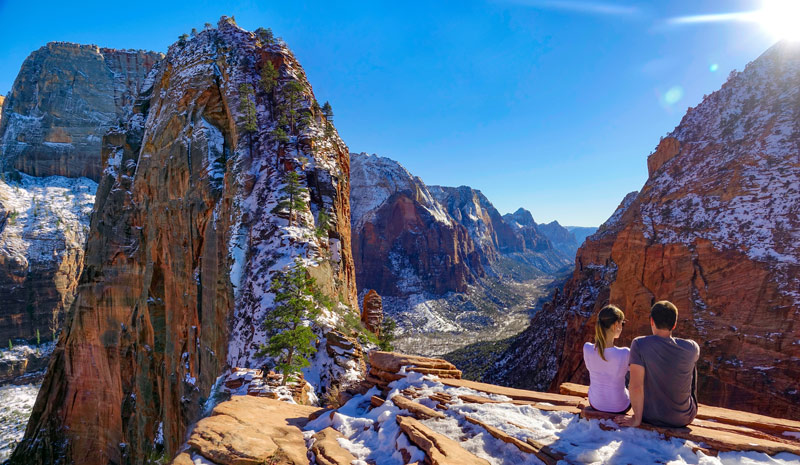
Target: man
[(663, 383)]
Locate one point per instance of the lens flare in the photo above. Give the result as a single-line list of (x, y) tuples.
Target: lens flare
[(713, 68), (673, 95)]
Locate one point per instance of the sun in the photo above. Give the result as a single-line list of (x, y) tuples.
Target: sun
[(780, 18)]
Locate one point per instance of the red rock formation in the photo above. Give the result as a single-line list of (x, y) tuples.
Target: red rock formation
[(714, 230), (403, 242), (181, 252), (372, 312), (64, 99)]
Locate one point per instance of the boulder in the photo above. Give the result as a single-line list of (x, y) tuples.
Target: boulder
[(248, 430), (327, 450)]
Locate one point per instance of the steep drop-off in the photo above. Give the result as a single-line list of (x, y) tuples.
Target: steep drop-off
[(447, 265), (715, 229), (183, 244), (64, 99)]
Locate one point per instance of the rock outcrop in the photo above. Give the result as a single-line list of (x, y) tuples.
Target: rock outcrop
[(63, 101), (249, 430), (403, 241), (496, 238), (714, 230), (184, 240), (372, 312), (44, 224)]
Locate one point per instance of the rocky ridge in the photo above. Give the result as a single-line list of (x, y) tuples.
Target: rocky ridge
[(443, 259), (418, 410), (154, 329), (715, 230)]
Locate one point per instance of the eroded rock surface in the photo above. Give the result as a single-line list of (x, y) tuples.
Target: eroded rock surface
[(183, 246), (249, 430), (63, 101)]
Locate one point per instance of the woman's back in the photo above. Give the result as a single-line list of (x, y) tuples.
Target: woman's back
[(607, 391)]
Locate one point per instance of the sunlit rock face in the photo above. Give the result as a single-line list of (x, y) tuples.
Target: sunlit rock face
[(64, 99), (715, 230), (404, 241), (183, 245)]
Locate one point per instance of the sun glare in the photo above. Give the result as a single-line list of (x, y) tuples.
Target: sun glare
[(781, 18)]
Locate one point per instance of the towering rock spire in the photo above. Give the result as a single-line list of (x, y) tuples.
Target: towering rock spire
[(184, 240)]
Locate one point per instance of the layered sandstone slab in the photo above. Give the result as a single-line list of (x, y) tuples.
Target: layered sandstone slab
[(439, 449), (248, 430), (714, 230)]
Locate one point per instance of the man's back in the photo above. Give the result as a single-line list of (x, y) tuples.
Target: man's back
[(669, 379)]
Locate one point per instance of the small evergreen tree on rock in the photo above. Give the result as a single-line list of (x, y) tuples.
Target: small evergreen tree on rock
[(248, 108), (291, 339), (294, 200)]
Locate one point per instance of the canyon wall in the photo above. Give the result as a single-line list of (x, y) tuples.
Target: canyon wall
[(64, 99), (715, 230), (186, 235)]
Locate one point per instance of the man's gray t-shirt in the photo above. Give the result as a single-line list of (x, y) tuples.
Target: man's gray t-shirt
[(670, 378)]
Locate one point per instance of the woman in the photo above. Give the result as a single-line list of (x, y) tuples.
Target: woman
[(607, 364)]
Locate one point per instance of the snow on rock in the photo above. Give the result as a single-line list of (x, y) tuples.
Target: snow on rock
[(17, 402), (44, 223), (373, 436)]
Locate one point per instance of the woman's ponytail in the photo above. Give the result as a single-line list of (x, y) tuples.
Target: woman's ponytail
[(608, 315)]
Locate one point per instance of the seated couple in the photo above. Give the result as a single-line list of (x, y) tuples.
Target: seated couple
[(663, 376)]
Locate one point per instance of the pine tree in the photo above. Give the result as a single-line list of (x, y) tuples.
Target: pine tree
[(294, 201), (323, 224), (248, 109), (265, 35), (291, 340), (294, 92), (269, 79), (327, 110), (386, 333)]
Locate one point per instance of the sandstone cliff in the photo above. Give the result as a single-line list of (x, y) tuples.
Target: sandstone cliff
[(496, 237), (715, 230), (64, 99), (403, 240), (182, 247), (43, 228), (447, 265)]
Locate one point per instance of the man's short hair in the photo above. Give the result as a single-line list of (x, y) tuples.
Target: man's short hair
[(664, 314)]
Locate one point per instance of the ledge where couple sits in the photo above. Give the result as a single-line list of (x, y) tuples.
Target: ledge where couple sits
[(717, 429)]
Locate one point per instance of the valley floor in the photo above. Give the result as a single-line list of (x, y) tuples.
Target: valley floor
[(17, 403), (496, 311)]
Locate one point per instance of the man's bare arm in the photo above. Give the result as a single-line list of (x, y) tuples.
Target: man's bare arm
[(636, 390)]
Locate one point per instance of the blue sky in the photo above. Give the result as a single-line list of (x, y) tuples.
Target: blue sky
[(550, 105)]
